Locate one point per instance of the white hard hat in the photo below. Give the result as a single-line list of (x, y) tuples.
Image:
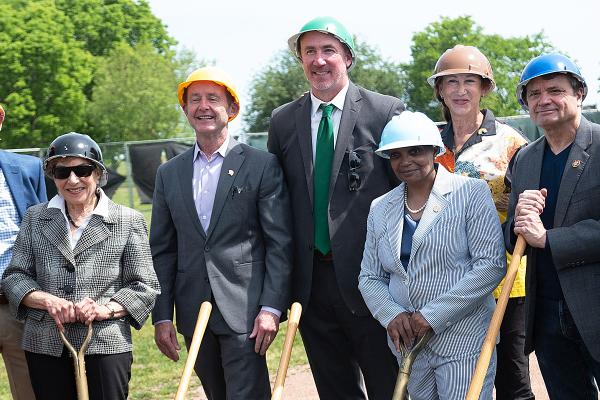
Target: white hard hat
[(409, 129)]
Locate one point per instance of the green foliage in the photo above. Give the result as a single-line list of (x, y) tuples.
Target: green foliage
[(54, 53), (283, 81), (508, 56), (134, 96), (280, 82), (43, 71), (102, 24)]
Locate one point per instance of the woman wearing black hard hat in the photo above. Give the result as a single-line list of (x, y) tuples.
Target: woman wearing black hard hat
[(80, 259)]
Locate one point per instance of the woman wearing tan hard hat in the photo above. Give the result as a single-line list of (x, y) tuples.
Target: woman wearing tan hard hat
[(479, 146)]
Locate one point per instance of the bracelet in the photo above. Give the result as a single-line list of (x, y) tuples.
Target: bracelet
[(112, 311)]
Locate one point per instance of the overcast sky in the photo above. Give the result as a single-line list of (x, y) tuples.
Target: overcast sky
[(243, 35)]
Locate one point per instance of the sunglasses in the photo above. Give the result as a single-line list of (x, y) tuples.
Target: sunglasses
[(354, 162), (82, 171)]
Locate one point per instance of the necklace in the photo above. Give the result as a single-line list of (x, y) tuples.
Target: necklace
[(418, 210), (69, 218)]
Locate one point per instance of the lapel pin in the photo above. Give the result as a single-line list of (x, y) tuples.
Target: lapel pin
[(576, 163), (436, 208), (230, 172)]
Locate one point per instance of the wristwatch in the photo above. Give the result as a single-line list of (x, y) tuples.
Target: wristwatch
[(112, 311)]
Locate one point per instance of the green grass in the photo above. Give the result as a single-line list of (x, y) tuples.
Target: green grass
[(153, 375)]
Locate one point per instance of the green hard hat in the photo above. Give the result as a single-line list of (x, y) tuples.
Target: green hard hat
[(327, 25)]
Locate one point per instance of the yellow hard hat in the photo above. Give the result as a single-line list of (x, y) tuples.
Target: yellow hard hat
[(212, 74)]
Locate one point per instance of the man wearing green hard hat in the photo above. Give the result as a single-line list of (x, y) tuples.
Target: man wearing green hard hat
[(325, 142)]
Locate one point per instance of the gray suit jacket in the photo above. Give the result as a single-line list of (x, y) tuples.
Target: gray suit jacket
[(364, 116), (575, 238), (110, 261), (243, 260), (457, 259)]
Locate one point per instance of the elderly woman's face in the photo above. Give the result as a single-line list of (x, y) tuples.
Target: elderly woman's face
[(76, 180), (412, 164), (462, 93)]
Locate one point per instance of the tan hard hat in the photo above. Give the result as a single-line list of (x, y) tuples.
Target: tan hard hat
[(463, 60)]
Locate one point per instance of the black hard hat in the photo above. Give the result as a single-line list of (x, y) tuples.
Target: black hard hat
[(75, 144)]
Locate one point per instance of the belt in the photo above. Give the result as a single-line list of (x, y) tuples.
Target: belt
[(3, 299), (323, 257)]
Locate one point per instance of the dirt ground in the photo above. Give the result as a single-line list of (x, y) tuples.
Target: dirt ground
[(299, 384)]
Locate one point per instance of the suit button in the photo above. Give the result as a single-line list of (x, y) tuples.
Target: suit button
[(70, 268), (68, 289), (207, 248)]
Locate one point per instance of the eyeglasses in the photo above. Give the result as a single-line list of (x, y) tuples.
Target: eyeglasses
[(354, 162), (81, 171)]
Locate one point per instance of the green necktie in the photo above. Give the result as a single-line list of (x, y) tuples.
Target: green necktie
[(323, 161)]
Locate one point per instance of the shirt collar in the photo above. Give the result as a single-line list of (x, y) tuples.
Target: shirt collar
[(101, 208), (487, 128), (337, 101), (222, 151)]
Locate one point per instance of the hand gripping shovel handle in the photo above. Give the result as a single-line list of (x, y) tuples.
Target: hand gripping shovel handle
[(402, 381), (489, 343), (286, 353), (201, 323), (79, 363)]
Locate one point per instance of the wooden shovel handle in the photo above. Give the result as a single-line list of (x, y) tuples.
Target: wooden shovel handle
[(489, 343), (286, 353)]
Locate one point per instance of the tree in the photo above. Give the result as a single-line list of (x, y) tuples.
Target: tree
[(102, 24), (50, 55), (508, 57), (134, 96), (283, 81), (43, 71)]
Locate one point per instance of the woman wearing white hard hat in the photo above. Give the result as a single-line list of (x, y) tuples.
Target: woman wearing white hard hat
[(433, 255)]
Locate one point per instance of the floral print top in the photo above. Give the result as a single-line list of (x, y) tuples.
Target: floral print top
[(486, 155)]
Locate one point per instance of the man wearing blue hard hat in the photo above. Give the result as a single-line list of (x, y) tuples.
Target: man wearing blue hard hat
[(554, 205)]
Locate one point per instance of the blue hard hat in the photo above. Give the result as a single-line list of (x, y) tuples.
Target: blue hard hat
[(544, 65), (407, 130)]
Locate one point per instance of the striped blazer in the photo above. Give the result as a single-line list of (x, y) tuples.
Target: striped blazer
[(110, 261), (457, 259)]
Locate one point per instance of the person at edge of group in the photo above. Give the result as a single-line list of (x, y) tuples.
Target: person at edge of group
[(434, 253), (479, 146), (80, 259), (221, 232), (554, 206), (325, 142), (21, 186)]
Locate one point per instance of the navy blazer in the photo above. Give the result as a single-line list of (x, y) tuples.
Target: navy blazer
[(25, 180)]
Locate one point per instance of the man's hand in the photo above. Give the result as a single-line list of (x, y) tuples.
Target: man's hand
[(531, 201), (266, 325), (165, 338), (527, 221), (400, 329)]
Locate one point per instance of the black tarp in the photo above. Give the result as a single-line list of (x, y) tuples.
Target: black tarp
[(145, 160)]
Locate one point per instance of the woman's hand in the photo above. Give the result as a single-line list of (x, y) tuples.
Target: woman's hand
[(88, 311), (419, 324), (61, 310), (400, 329)]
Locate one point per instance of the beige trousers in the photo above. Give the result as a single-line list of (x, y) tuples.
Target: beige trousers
[(11, 332)]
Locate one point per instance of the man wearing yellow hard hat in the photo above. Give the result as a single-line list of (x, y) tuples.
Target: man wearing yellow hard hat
[(221, 232), (21, 185), (325, 141)]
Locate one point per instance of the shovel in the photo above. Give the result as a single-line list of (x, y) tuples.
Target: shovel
[(408, 357), (79, 363)]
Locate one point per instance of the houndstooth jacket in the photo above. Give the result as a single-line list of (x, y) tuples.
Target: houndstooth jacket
[(110, 261)]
